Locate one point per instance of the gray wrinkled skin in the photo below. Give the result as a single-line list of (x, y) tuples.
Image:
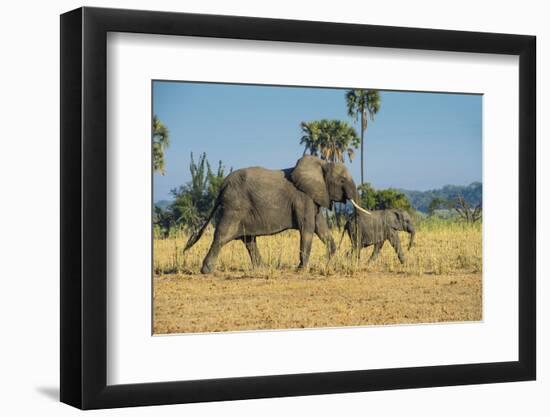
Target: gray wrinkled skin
[(260, 202), (374, 230)]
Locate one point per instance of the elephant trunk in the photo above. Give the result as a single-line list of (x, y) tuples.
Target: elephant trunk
[(412, 233)]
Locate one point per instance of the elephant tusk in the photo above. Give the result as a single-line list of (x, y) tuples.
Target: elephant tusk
[(358, 207)]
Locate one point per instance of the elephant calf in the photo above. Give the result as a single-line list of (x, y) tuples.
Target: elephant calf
[(375, 229)]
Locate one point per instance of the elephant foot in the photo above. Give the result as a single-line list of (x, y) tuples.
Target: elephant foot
[(206, 269)]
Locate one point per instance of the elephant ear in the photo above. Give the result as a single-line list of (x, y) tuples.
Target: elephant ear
[(396, 219), (308, 176)]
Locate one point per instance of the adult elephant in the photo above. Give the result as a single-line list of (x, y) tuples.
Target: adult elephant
[(259, 202), (379, 226)]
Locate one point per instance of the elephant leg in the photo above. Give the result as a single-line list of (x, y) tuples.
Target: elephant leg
[(252, 248), (355, 251), (376, 251), (306, 238), (226, 231), (306, 226), (323, 233), (360, 240), (396, 243)]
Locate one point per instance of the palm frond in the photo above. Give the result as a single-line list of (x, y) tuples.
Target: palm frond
[(330, 139)]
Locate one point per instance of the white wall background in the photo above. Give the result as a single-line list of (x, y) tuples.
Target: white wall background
[(29, 171)]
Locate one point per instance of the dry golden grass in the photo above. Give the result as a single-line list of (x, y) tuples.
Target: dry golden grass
[(441, 281)]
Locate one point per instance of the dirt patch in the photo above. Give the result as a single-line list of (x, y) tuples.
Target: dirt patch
[(247, 300)]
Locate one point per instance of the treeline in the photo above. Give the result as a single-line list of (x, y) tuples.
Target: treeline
[(192, 202), (445, 196)]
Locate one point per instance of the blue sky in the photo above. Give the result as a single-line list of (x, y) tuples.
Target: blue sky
[(418, 141)]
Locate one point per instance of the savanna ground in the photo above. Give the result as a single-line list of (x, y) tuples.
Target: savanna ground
[(440, 282)]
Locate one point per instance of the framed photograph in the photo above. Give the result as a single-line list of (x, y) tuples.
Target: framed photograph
[(260, 208)]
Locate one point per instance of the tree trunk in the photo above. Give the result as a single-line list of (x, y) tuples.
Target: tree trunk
[(362, 162), (362, 146)]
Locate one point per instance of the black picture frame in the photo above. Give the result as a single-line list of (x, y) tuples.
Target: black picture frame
[(84, 207)]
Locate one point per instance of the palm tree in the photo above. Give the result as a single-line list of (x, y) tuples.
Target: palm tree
[(310, 137), (161, 140), (330, 140), (363, 102)]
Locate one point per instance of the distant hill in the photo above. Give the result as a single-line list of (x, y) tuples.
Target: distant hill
[(420, 200)]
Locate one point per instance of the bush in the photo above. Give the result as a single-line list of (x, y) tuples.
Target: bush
[(193, 201), (388, 198)]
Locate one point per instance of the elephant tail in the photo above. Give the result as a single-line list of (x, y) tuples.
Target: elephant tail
[(198, 234)]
